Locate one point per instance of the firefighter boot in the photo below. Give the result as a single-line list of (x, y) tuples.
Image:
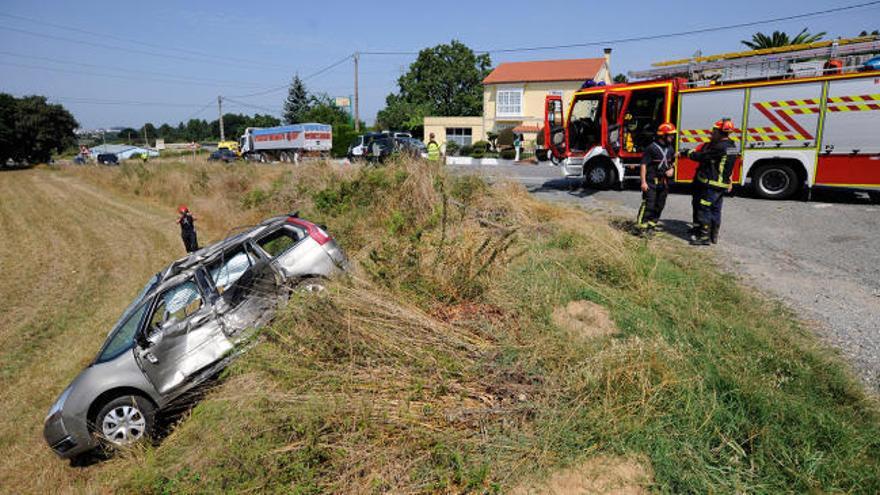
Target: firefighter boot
[(702, 237), (713, 233)]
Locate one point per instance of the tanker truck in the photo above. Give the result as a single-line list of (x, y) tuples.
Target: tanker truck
[(286, 143)]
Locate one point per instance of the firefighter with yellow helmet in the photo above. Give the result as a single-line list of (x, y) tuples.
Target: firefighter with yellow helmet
[(658, 165), (716, 160)]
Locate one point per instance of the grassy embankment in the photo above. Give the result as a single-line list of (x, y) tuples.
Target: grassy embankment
[(448, 361)]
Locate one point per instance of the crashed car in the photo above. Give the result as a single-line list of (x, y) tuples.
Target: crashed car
[(187, 323)]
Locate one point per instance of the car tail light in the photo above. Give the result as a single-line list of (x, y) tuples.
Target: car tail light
[(315, 232)]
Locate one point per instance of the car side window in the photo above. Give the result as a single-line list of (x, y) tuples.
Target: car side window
[(281, 240), (178, 302), (229, 269)]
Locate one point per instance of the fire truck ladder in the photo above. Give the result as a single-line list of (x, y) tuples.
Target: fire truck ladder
[(771, 63)]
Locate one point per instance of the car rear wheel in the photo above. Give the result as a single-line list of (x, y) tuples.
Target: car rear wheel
[(775, 181), (125, 421)]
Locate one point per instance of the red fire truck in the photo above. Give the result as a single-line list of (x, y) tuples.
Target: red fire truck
[(794, 133)]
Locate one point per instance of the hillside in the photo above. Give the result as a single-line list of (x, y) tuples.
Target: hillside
[(484, 342)]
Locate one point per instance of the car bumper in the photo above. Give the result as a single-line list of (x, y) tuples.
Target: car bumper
[(66, 441)]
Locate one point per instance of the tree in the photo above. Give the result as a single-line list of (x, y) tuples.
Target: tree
[(323, 109), (297, 102), (779, 38), (31, 129), (128, 135), (620, 78), (445, 80), (872, 33)]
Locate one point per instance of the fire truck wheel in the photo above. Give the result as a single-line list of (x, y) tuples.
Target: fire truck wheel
[(775, 181), (874, 196), (598, 175)]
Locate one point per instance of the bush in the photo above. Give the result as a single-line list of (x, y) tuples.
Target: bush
[(452, 148), (505, 138), (508, 154), (466, 150)]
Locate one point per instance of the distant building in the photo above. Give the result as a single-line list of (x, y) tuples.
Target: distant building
[(513, 97)]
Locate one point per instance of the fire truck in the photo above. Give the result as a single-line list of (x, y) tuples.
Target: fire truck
[(795, 133)]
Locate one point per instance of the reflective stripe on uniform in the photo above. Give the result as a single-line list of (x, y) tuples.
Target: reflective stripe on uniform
[(705, 202)]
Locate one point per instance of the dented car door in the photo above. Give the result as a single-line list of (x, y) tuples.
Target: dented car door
[(249, 289), (182, 337)]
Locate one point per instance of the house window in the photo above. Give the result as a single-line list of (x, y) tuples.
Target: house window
[(459, 135), (508, 102)]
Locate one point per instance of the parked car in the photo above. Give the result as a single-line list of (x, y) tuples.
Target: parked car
[(411, 147), (108, 159), (187, 323), (360, 146), (872, 64), (224, 155), (380, 148)]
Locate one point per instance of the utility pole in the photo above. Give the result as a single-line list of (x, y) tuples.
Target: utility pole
[(220, 109), (146, 143), (357, 119)]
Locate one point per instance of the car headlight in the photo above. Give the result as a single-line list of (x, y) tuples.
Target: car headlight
[(56, 407)]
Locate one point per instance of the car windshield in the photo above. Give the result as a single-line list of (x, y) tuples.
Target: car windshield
[(121, 336)]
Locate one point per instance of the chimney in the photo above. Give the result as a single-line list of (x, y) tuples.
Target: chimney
[(608, 62)]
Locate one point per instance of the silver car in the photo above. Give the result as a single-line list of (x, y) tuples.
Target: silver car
[(186, 324)]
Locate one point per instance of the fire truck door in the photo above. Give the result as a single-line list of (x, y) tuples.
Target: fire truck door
[(555, 136), (615, 103)]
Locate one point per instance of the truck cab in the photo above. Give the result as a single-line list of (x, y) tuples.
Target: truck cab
[(606, 128)]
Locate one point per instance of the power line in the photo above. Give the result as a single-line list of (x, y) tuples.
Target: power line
[(102, 101), (219, 82), (128, 40), (306, 78), (113, 76), (251, 105), (205, 60), (682, 33)]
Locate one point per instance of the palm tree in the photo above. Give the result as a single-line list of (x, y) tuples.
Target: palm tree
[(779, 38)]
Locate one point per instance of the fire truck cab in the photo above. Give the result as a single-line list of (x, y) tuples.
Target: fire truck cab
[(605, 129)]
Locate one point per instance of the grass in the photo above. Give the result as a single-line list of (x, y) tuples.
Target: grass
[(435, 366)]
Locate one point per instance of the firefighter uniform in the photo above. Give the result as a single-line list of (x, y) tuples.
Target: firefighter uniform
[(657, 159), (716, 160), (188, 230)]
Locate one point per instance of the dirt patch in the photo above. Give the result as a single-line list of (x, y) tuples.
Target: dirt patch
[(597, 475), (584, 319)]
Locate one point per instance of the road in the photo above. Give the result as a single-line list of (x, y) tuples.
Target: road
[(820, 257)]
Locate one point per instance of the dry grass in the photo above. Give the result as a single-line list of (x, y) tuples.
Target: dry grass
[(438, 366)]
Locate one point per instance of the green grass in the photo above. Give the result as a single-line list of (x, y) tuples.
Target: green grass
[(436, 367)]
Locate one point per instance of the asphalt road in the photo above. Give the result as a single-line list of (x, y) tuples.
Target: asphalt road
[(821, 257)]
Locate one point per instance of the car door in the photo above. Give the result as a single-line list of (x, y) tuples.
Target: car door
[(182, 337), (249, 287), (289, 247)]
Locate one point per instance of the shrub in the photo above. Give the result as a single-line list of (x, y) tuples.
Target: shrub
[(466, 150), (508, 153), (505, 138), (452, 148)]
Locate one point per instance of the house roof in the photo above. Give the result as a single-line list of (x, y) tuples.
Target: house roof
[(578, 69)]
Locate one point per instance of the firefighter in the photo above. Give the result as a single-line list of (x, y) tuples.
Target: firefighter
[(187, 229), (433, 149), (658, 162), (716, 160)]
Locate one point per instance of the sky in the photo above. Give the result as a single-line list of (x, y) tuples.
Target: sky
[(125, 63)]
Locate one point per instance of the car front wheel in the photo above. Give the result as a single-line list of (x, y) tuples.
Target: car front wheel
[(125, 421)]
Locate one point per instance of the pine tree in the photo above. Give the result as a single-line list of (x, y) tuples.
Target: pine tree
[(297, 103)]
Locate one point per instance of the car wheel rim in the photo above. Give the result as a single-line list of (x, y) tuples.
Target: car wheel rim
[(597, 175), (123, 425), (774, 181)]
